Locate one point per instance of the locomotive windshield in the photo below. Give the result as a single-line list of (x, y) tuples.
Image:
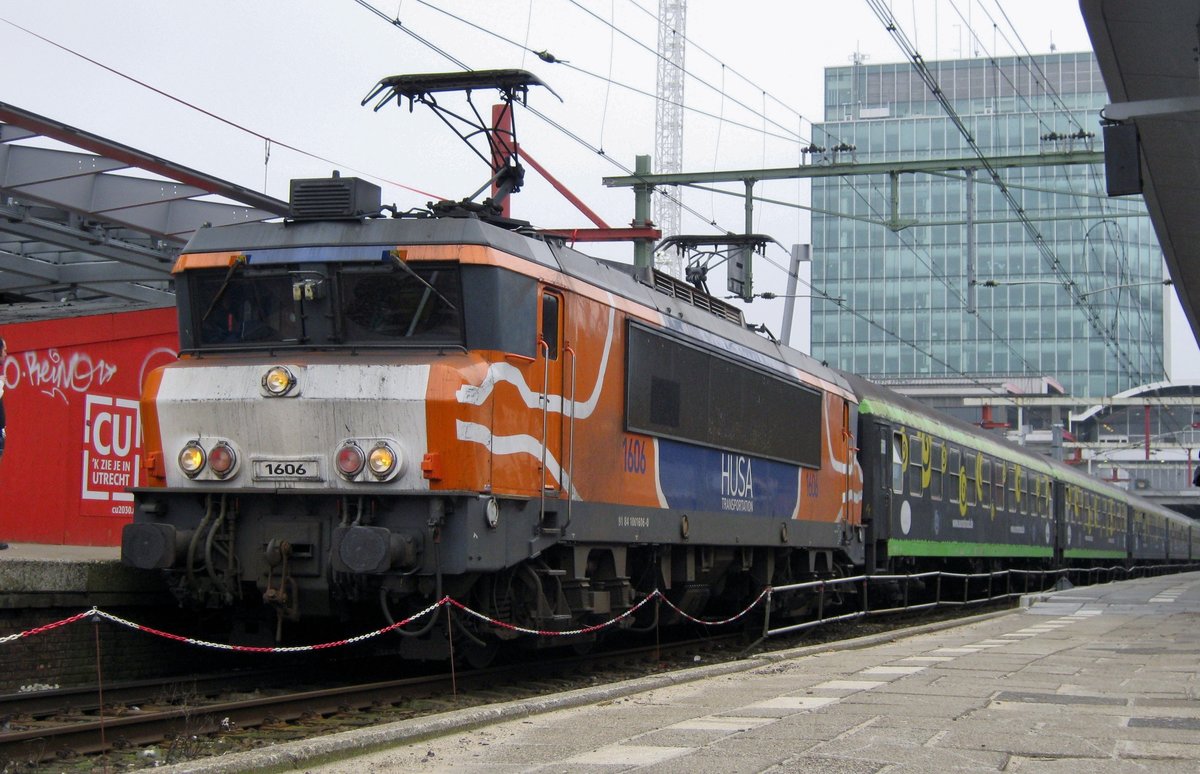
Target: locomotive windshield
[(242, 308), (417, 304), (350, 304)]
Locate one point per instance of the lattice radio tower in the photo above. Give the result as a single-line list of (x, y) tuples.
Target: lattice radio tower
[(668, 121)]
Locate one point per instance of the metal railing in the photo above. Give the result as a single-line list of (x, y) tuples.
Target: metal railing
[(1079, 576)]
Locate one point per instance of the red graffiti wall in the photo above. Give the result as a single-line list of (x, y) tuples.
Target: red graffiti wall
[(71, 399)]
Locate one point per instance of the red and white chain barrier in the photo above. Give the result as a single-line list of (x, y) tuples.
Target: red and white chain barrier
[(95, 614)]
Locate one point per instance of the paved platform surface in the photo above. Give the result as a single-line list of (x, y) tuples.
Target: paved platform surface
[(35, 575), (1098, 679)]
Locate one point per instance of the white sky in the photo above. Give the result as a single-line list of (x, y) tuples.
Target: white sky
[(296, 70)]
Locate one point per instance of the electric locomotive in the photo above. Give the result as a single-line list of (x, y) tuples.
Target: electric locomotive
[(370, 413)]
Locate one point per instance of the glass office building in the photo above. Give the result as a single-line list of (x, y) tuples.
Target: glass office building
[(910, 309)]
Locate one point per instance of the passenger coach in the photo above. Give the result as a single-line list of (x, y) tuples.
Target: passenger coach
[(938, 490)]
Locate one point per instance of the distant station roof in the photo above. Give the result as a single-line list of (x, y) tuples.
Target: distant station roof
[(100, 220), (1147, 55)]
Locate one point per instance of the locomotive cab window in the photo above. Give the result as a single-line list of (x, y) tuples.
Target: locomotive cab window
[(241, 306), (551, 323), (399, 303)]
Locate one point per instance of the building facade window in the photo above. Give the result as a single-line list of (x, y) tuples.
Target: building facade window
[(914, 282)]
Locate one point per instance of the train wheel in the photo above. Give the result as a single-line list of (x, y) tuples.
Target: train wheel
[(480, 655)]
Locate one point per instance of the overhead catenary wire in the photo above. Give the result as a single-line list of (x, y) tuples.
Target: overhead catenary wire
[(550, 58), (692, 44), (1038, 75), (1035, 69), (893, 28), (583, 142), (564, 130), (881, 327), (750, 109), (209, 113)]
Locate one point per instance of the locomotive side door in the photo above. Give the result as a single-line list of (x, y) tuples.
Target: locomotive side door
[(553, 375)]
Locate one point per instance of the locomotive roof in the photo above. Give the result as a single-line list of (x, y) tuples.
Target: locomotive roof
[(618, 278)]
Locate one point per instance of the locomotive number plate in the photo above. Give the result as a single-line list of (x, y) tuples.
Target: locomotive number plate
[(307, 469)]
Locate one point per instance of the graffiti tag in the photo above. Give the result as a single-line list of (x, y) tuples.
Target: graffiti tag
[(55, 375)]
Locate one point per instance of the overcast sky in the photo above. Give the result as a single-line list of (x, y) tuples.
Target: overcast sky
[(295, 71)]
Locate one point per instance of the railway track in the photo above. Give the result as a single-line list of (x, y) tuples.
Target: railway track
[(200, 716), (64, 724)]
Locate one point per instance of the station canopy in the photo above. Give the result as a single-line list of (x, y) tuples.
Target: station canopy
[(83, 217)]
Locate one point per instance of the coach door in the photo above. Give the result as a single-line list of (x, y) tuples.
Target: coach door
[(878, 489)]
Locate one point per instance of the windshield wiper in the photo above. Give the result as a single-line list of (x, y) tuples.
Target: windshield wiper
[(239, 261), (400, 262)]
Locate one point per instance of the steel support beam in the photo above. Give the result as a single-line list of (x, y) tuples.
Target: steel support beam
[(872, 168)]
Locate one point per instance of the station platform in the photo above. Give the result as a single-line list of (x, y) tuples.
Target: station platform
[(1098, 679), (34, 575)]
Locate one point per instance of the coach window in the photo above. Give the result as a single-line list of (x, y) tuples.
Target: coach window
[(899, 458), (551, 302), (969, 472), (918, 448), (1014, 489), (937, 470), (998, 469), (955, 470), (985, 481)]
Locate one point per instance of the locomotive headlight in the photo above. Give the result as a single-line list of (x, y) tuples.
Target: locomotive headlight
[(278, 381), (222, 460), (382, 460), (350, 460), (191, 459)]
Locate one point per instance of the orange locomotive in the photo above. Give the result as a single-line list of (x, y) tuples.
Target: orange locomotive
[(369, 413)]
